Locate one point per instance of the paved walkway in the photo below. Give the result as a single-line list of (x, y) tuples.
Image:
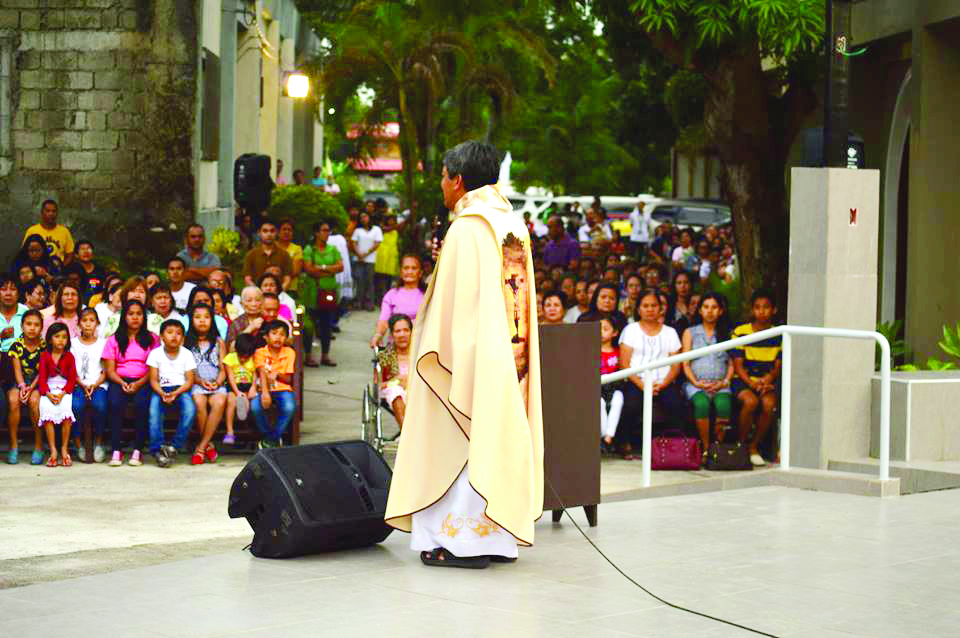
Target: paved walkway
[(61, 523), (65, 522), (789, 562)]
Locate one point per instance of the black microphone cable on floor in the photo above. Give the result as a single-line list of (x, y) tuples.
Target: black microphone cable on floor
[(644, 589)]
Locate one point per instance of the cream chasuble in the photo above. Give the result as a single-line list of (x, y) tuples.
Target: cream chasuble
[(473, 405)]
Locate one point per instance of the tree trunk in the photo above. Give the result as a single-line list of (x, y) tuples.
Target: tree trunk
[(430, 152), (408, 142), (745, 124)]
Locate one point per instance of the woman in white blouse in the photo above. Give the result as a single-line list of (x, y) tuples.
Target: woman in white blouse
[(641, 342)]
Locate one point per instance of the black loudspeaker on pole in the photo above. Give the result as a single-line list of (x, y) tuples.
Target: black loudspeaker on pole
[(252, 184)]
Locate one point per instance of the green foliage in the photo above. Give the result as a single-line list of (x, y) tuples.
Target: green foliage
[(351, 190), (307, 205), (427, 195), (225, 244), (782, 28), (568, 139), (893, 331), (684, 97), (432, 67), (950, 343), (936, 364)]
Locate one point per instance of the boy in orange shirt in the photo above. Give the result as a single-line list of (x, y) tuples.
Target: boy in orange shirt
[(275, 367)]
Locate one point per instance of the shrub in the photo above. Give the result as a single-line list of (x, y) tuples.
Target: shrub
[(226, 245), (351, 190), (307, 205)]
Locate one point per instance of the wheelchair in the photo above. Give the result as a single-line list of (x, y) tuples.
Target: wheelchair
[(372, 409)]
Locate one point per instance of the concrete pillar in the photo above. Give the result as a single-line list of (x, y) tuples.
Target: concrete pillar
[(303, 137), (271, 93), (285, 111), (833, 283), (228, 87), (247, 94), (318, 151)]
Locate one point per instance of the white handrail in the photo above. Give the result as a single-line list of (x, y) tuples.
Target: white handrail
[(785, 331)]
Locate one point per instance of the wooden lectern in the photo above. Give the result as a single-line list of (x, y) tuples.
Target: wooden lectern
[(570, 386)]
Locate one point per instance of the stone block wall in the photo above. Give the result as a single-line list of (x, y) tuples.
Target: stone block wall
[(101, 97)]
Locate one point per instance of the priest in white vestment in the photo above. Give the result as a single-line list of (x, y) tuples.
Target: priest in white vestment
[(468, 480)]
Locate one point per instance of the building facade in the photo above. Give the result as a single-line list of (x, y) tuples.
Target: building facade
[(904, 94), (130, 113)]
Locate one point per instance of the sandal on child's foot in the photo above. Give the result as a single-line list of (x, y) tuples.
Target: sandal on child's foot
[(441, 557), (52, 461), (65, 460), (229, 439), (211, 454), (197, 458), (36, 457)]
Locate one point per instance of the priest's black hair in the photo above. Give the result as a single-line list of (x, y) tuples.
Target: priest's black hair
[(476, 162)]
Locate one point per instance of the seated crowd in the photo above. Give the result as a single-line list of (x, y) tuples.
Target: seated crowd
[(78, 342), (654, 299), (651, 299)]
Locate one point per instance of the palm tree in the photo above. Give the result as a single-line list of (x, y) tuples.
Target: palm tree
[(427, 74)]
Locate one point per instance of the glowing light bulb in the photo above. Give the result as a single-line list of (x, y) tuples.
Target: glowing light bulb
[(297, 85)]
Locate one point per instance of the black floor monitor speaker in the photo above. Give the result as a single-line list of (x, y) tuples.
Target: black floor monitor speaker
[(313, 498)]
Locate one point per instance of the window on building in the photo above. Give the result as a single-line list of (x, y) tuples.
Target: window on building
[(210, 107)]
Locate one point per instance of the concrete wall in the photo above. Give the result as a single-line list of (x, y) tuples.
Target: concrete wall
[(933, 267), (922, 36), (96, 88), (875, 81), (833, 279), (873, 20)]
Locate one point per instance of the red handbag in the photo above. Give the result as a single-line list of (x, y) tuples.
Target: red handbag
[(326, 299), (676, 452)]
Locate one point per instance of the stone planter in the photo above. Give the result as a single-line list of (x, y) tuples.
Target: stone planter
[(924, 416)]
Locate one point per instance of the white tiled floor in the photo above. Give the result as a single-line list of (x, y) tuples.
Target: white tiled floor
[(788, 562)]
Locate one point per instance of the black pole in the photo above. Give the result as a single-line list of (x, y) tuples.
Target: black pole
[(837, 90), (828, 88)]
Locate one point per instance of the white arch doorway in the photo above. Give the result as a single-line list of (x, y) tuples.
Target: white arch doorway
[(896, 152)]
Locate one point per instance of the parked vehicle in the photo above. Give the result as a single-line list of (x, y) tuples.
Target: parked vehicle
[(690, 213)]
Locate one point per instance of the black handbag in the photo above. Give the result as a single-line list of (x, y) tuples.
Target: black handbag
[(728, 456)]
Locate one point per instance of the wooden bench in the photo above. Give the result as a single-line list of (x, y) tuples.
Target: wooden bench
[(246, 431)]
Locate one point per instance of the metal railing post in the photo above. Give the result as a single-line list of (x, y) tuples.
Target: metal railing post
[(786, 380), (647, 425), (884, 408)]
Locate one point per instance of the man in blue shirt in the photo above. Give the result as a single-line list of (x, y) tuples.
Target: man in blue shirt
[(11, 312), (562, 249), (198, 263)]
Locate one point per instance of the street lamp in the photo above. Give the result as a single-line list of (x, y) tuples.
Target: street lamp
[(296, 84)]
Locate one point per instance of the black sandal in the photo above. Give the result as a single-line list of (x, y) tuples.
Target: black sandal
[(501, 559), (440, 557)]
